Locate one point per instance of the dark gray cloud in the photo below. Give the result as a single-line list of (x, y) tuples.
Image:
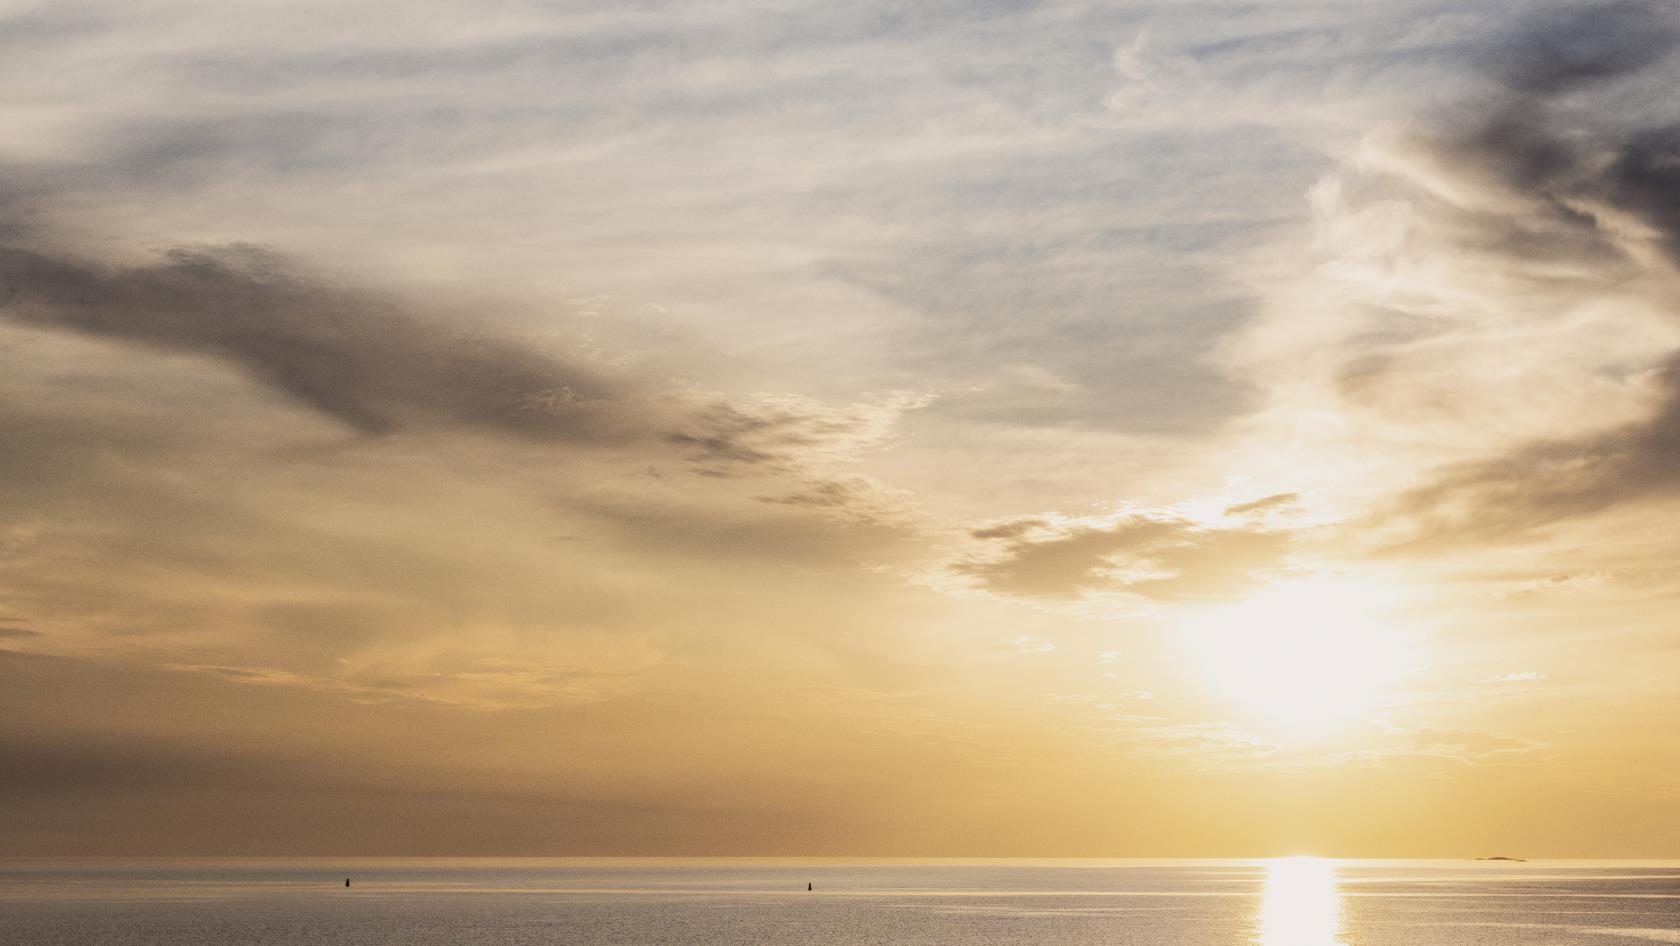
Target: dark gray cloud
[(354, 356), (1533, 139), (1567, 46), (1159, 557), (382, 366), (1548, 481), (1567, 149)]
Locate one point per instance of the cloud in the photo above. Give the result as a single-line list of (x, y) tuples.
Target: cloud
[(1543, 482), (1566, 47), (385, 367), (857, 497), (361, 359), (1155, 555), (1527, 215), (1572, 200), (382, 365), (1267, 504), (786, 433), (481, 540), (1011, 529)]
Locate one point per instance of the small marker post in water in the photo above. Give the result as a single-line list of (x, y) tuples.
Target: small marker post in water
[(808, 886), (346, 881)]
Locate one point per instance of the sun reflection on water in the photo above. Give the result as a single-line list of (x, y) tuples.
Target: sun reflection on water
[(1300, 905)]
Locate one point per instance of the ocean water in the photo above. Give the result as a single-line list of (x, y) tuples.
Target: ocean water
[(1290, 902)]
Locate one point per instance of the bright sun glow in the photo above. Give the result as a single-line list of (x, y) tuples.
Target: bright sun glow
[(1300, 906), (1303, 655)]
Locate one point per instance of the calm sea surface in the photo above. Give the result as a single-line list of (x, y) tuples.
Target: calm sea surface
[(1294, 902)]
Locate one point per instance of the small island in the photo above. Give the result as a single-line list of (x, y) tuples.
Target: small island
[(1517, 860)]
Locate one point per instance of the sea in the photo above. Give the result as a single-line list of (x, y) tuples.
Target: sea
[(1281, 902)]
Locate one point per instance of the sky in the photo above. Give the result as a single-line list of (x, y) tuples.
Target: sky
[(1142, 428)]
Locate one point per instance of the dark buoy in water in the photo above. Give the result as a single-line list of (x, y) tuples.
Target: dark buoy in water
[(346, 881), (807, 885)]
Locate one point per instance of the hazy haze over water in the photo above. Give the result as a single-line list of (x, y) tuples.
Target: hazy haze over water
[(1288, 902)]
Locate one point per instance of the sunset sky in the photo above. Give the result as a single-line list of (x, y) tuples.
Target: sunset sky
[(753, 427)]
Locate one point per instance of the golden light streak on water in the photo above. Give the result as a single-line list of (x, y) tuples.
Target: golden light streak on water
[(1300, 905)]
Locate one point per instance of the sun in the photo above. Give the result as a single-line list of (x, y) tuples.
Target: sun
[(1304, 655)]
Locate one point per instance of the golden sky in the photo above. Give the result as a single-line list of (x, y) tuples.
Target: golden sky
[(769, 428)]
